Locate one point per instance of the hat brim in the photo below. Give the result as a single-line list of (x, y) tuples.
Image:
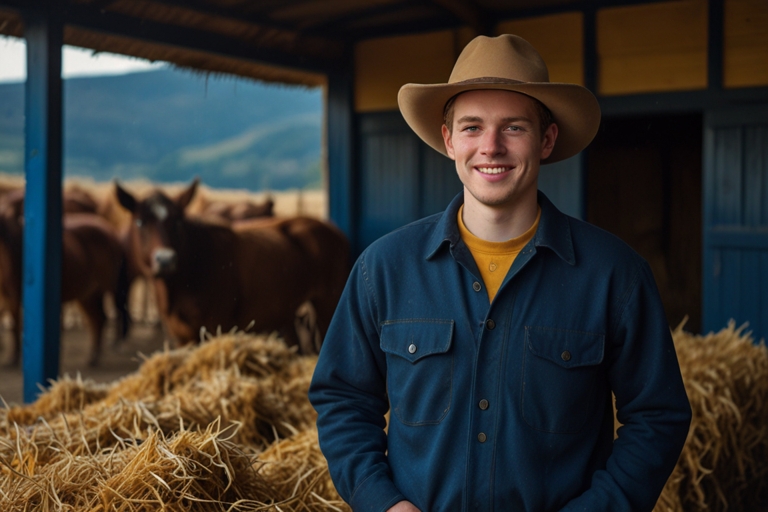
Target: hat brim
[(574, 108)]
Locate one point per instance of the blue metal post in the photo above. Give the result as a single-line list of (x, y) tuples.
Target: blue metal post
[(341, 141), (41, 273)]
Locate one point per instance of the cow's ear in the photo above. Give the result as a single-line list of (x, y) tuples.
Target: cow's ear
[(186, 196), (125, 198)]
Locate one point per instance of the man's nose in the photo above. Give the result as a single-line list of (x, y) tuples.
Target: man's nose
[(491, 144)]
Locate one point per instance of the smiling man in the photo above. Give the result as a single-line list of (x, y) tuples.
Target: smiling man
[(497, 332)]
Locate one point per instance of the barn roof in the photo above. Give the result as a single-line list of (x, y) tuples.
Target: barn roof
[(289, 41)]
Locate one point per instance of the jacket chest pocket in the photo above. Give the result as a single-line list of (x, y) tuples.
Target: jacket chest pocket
[(419, 369), (561, 378)]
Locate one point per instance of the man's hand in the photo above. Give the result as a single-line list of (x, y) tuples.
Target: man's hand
[(403, 506)]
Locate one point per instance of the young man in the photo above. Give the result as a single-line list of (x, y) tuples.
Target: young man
[(496, 332)]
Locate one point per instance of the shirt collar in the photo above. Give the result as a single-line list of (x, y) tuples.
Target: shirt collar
[(554, 229)]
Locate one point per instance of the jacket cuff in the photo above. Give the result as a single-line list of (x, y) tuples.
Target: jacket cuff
[(377, 493)]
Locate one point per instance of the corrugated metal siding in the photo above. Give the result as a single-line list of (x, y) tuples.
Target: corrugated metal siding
[(401, 178), (736, 219), (563, 183), (439, 181), (389, 184)]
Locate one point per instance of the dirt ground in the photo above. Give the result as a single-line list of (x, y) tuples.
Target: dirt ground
[(118, 359)]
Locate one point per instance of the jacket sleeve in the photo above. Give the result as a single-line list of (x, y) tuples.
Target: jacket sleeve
[(651, 403), (348, 391)]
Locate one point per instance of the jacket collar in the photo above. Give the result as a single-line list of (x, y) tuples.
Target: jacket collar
[(554, 230)]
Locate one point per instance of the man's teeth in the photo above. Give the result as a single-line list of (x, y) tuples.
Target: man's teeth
[(492, 170)]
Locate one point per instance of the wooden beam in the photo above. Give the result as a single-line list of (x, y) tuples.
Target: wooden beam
[(82, 16), (339, 23), (238, 15), (715, 45), (41, 273), (467, 13)]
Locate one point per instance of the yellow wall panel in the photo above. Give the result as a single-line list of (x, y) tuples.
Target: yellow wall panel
[(745, 51), (559, 39), (382, 66), (652, 47)]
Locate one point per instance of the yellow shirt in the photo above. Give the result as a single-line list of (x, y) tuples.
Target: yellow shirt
[(494, 259)]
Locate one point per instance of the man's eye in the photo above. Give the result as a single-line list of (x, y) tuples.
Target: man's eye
[(470, 129)]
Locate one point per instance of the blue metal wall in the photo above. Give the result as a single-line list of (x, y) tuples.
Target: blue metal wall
[(563, 183), (401, 178), (736, 219)]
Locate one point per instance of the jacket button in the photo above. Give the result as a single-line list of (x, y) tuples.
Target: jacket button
[(476, 286), (481, 437), (411, 348), (483, 404), (566, 356), (490, 324)]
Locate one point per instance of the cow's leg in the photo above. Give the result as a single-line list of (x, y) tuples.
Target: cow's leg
[(15, 347), (93, 308), (324, 309)]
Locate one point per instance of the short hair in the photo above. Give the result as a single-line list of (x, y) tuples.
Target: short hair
[(545, 115)]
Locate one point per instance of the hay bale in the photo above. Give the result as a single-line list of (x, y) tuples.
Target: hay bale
[(186, 471), (181, 433), (297, 471), (253, 382), (64, 395), (723, 463)]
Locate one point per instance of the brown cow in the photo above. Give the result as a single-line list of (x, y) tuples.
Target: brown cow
[(239, 211), (93, 264), (252, 275)]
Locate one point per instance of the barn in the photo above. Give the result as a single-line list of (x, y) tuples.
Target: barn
[(679, 168)]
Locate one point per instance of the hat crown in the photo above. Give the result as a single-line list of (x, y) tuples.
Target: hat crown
[(507, 56)]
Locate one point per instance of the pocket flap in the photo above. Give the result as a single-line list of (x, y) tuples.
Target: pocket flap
[(413, 339), (565, 347)]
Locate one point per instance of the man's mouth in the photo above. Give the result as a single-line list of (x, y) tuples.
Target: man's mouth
[(493, 170)]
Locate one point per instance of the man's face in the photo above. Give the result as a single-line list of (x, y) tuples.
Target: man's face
[(497, 144)]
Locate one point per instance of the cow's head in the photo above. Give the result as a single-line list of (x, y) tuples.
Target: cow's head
[(157, 229)]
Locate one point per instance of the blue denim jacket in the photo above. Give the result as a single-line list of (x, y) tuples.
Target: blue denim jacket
[(504, 406)]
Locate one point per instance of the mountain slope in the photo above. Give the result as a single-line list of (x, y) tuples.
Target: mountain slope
[(170, 125)]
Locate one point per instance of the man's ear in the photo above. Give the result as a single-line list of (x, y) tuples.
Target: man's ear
[(548, 141), (448, 143)]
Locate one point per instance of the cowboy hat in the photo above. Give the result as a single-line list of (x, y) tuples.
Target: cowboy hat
[(510, 63)]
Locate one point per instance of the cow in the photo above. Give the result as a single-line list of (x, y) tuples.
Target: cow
[(248, 275), (239, 211), (93, 264)]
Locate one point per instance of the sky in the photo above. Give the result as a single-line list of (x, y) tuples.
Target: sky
[(75, 62)]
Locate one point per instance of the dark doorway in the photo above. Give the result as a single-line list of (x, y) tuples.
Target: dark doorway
[(644, 178)]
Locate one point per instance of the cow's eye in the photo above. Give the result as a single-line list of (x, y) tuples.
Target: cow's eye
[(139, 223)]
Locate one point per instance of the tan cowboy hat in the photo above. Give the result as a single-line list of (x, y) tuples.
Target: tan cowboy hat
[(510, 63)]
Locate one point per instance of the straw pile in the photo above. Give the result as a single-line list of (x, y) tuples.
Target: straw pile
[(724, 464), (227, 426), (223, 426)]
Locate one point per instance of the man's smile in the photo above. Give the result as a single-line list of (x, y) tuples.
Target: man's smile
[(493, 170)]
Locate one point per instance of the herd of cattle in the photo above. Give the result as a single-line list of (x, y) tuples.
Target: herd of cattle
[(221, 266)]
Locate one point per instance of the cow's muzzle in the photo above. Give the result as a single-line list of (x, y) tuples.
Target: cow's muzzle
[(164, 261)]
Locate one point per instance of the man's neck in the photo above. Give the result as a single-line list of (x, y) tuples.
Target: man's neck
[(499, 223)]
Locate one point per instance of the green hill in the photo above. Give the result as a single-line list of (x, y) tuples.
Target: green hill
[(171, 125)]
